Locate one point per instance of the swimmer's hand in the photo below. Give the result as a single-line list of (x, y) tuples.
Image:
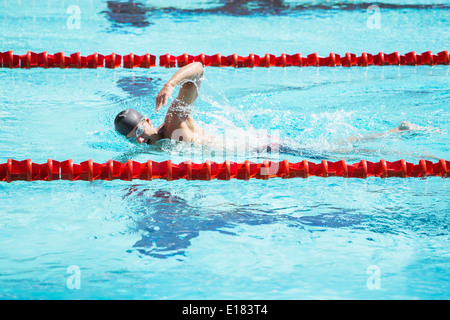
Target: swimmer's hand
[(163, 96)]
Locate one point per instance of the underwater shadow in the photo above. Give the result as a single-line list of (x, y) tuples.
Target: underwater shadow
[(137, 86), (131, 13), (138, 14), (168, 223)]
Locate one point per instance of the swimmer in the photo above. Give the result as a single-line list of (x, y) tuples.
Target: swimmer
[(178, 123)]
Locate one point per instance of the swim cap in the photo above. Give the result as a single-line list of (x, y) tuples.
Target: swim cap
[(126, 120)]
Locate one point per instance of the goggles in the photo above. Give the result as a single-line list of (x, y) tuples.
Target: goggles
[(139, 131)]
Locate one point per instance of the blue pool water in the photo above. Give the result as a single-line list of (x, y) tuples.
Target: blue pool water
[(315, 238)]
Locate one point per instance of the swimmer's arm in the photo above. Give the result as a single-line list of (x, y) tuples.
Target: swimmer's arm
[(189, 77)]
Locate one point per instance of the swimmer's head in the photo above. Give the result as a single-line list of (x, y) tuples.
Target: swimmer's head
[(135, 127), (126, 120)]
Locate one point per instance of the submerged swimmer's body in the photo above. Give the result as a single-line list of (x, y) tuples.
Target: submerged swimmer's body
[(180, 126)]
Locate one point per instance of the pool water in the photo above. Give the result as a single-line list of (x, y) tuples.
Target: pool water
[(315, 238)]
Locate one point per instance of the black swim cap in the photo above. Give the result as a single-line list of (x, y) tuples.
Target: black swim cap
[(126, 120)]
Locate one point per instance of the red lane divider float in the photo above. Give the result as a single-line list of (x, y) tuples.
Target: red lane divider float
[(76, 60), (26, 170)]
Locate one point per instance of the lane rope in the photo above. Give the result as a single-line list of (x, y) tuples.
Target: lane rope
[(96, 60), (26, 170)]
